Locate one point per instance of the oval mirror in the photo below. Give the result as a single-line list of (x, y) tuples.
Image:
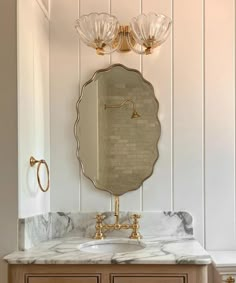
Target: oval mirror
[(117, 129)]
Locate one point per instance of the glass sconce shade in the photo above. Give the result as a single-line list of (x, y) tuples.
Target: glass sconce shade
[(150, 30), (104, 33), (98, 30)]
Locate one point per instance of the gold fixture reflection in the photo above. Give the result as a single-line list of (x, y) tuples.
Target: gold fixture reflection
[(101, 228), (129, 100), (33, 161)]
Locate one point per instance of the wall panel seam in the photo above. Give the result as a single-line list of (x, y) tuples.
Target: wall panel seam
[(234, 118), (33, 62), (110, 62), (79, 80), (141, 70), (172, 108), (203, 124), (49, 106)]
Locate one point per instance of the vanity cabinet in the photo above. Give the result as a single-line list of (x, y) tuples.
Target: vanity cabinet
[(107, 273), (224, 268), (63, 279), (89, 279), (149, 279), (223, 275)]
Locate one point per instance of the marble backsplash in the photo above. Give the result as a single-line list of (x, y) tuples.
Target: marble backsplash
[(34, 230)]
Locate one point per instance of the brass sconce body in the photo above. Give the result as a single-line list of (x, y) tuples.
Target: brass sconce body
[(149, 31)]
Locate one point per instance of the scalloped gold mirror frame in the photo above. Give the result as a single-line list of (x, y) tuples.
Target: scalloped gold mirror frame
[(117, 129)]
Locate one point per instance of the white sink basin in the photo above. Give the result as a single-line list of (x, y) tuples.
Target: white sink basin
[(112, 246)]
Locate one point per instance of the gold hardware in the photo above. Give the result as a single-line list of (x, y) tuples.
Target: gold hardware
[(100, 51), (122, 40), (230, 279), (101, 227), (33, 161), (103, 35), (129, 100), (126, 43), (148, 50), (135, 234), (124, 46)]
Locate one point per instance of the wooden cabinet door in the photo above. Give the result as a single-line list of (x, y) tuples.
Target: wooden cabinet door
[(149, 279), (63, 279)]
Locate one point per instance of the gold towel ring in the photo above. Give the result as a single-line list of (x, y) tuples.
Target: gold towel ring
[(33, 161)]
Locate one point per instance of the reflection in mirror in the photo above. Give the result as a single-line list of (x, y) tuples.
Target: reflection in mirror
[(117, 129)]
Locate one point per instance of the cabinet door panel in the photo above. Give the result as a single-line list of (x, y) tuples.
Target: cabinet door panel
[(55, 279), (145, 279)]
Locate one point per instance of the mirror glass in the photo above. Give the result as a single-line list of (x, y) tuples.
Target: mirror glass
[(117, 129)]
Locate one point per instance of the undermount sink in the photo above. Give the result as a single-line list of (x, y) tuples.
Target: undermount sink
[(112, 246)]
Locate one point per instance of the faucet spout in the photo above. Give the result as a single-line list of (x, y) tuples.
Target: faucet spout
[(117, 209)]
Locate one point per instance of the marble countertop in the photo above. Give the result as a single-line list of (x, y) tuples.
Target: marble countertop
[(168, 250), (223, 258)]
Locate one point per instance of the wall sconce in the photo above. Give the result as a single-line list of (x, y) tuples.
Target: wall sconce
[(103, 32)]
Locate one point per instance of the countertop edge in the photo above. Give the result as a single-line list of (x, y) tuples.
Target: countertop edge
[(12, 262), (157, 251)]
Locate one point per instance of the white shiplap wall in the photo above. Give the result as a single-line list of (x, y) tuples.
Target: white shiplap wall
[(220, 124), (33, 103), (194, 81)]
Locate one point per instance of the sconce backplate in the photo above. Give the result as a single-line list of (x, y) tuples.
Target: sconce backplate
[(124, 47)]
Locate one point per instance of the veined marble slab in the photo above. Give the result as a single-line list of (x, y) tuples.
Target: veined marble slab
[(157, 251), (37, 229), (223, 258)]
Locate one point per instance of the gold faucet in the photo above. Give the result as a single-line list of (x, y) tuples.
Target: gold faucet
[(101, 227)]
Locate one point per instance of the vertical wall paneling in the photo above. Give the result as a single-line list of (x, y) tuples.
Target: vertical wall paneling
[(89, 63), (64, 88), (132, 200), (41, 96), (220, 124), (25, 97), (188, 111), (79, 92), (194, 79), (33, 104), (158, 70)]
